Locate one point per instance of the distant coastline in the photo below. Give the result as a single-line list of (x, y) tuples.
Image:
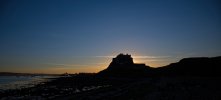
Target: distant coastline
[(25, 74)]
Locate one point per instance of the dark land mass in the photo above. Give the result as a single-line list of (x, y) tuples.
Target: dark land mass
[(188, 79), (199, 66)]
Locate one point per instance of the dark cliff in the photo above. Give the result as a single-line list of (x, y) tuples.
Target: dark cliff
[(123, 66), (199, 66)]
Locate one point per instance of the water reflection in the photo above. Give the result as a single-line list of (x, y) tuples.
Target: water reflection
[(18, 82)]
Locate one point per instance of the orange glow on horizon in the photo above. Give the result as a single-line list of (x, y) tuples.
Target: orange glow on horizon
[(93, 66), (58, 70)]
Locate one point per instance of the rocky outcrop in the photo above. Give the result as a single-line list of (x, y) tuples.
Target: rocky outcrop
[(123, 66), (198, 66)]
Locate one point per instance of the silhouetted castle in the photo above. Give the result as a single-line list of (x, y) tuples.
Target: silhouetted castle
[(123, 65), (124, 62), (123, 59)]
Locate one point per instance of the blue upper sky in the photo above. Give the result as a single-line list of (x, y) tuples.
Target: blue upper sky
[(59, 36)]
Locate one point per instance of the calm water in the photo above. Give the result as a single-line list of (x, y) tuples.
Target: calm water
[(17, 82)]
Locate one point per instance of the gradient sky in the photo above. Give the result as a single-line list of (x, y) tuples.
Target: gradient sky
[(57, 36)]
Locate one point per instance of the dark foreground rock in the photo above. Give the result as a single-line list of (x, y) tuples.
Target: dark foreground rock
[(95, 88)]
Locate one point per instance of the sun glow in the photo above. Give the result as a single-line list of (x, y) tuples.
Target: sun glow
[(150, 60)]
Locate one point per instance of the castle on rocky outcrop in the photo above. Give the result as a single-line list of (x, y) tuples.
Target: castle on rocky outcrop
[(123, 65), (124, 62), (123, 59)]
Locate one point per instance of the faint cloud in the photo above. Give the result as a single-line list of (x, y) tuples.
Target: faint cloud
[(73, 65), (105, 56), (138, 57), (151, 60), (65, 65), (151, 57)]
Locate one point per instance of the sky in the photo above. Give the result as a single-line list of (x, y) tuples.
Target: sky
[(58, 36)]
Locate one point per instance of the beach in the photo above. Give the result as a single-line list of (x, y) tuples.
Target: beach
[(90, 87)]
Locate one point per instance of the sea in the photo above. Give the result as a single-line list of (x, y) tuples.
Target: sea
[(18, 82)]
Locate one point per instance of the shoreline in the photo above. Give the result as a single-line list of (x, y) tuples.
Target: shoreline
[(92, 87), (14, 82)]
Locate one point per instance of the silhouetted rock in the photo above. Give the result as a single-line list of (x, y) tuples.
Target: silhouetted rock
[(123, 66), (200, 66)]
